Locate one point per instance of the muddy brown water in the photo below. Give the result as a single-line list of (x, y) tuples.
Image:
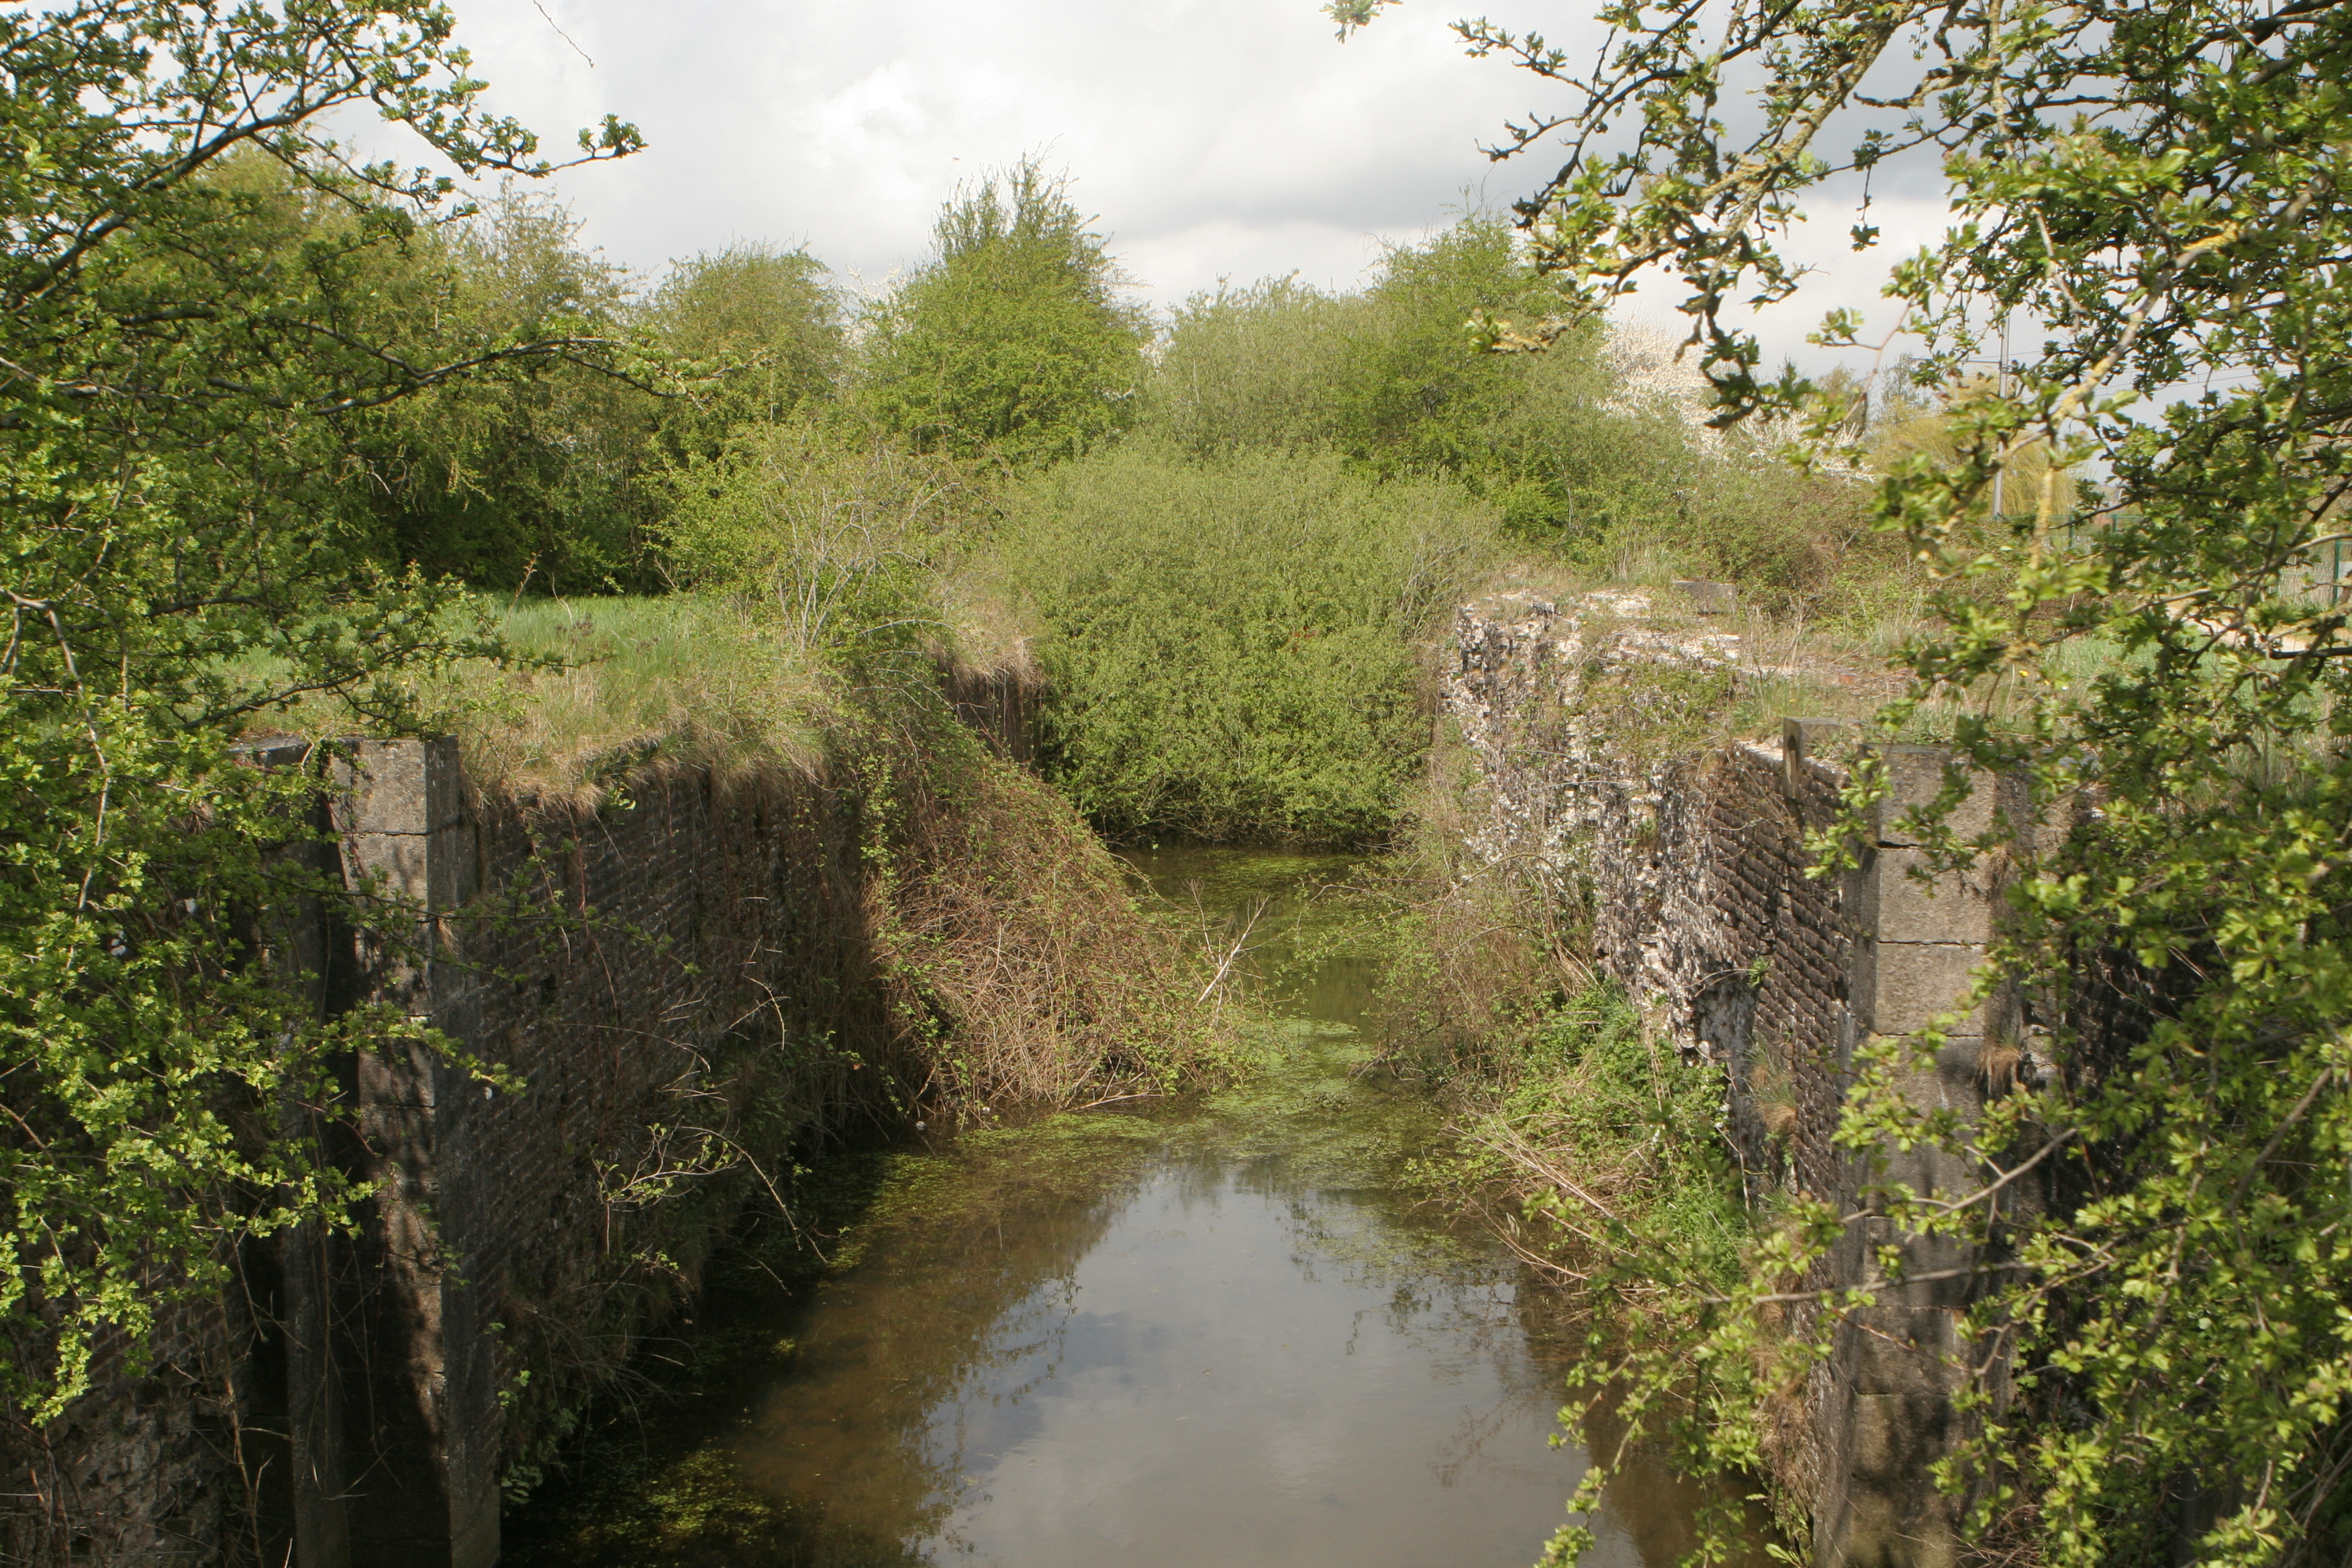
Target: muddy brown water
[(1168, 1336)]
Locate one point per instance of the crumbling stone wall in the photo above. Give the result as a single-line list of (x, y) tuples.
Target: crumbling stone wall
[(1688, 856)]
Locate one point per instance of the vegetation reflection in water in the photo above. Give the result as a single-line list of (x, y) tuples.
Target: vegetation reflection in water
[(1153, 1335)]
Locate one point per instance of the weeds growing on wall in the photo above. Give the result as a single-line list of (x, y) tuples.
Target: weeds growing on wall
[(1586, 1142), (1585, 1138), (1594, 1149)]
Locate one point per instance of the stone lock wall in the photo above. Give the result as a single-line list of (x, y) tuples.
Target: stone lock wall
[(625, 967), (1692, 863), (354, 1402)]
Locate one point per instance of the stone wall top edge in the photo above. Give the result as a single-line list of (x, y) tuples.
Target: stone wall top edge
[(765, 778)]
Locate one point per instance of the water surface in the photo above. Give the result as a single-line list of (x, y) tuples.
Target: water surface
[(1177, 1336)]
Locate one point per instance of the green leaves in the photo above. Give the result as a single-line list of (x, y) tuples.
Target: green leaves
[(2153, 198), (829, 533), (203, 296), (1013, 342), (1231, 643)]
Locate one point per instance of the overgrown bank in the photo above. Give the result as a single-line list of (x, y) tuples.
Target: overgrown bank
[(1584, 1133), (663, 1004), (1645, 1005), (957, 945)]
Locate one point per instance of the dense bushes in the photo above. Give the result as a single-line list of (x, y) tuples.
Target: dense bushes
[(1587, 453), (525, 481), (1014, 342), (1234, 642), (1391, 377), (1231, 609)]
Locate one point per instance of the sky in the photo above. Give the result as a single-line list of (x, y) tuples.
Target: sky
[(1212, 138)]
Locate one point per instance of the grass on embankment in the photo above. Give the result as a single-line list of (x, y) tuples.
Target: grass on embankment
[(598, 686), (685, 679)]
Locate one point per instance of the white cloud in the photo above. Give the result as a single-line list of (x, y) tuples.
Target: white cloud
[(1837, 276), (1188, 123), (1214, 138)]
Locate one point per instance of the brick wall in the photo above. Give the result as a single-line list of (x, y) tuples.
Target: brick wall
[(1688, 858), (634, 972), (641, 972)]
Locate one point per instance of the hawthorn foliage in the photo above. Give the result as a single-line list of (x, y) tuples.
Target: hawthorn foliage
[(202, 291), (1013, 342), (2155, 199)]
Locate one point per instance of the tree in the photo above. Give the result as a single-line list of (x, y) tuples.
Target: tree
[(187, 346), (2155, 195), (1413, 390), (1249, 367), (760, 333), (1387, 376), (1012, 341), (527, 479)]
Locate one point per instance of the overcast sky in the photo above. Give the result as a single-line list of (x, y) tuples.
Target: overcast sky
[(1214, 137)]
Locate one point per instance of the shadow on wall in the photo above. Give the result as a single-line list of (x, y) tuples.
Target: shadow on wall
[(656, 1004)]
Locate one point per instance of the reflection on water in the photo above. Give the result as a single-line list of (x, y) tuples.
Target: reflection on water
[(1207, 1336), (1206, 1383)]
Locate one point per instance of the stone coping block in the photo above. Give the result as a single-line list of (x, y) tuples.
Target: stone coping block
[(1899, 988), (1915, 776), (400, 786), (276, 751)]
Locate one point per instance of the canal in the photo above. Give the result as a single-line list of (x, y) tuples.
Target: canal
[(1146, 1333)]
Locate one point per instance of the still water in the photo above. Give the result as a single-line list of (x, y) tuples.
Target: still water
[(1168, 1337)]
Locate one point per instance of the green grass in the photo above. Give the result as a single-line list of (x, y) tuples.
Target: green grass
[(683, 678), (602, 685)]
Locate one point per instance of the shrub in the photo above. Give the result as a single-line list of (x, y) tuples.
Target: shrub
[(825, 532), (1012, 341), (1250, 367), (1232, 644), (758, 332), (528, 480)]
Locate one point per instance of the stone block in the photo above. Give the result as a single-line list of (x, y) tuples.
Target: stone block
[(1897, 987), (1707, 598), (1949, 1081), (396, 870), (398, 1074), (276, 751), (1895, 1516), (1801, 740), (1906, 1350), (1896, 1436), (1946, 1083), (1925, 1169), (399, 786), (1915, 776), (420, 875), (1893, 903), (455, 867)]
